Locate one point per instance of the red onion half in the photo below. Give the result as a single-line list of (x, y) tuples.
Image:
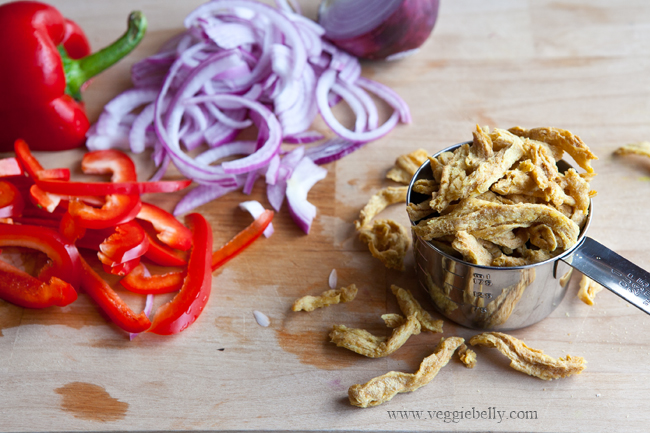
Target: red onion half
[(378, 29)]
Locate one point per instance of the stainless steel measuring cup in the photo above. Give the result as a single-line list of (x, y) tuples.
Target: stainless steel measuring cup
[(496, 298)]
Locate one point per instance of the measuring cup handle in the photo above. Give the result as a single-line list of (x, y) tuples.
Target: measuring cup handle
[(613, 272)]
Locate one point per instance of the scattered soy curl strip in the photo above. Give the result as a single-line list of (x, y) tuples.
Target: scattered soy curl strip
[(380, 201), (467, 356), (383, 388), (588, 290), (406, 166), (530, 361), (641, 148), (367, 344), (387, 241), (411, 307), (327, 298)]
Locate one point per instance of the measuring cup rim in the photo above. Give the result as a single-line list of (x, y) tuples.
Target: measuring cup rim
[(564, 254)]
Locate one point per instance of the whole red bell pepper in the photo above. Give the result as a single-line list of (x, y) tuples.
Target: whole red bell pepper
[(46, 62)]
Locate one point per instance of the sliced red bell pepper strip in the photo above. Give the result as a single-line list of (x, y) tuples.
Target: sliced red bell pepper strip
[(20, 288), (127, 242), (111, 161), (10, 167), (69, 228), (119, 208), (110, 302), (163, 255), (242, 240), (34, 167), (170, 230), (137, 282), (35, 170), (107, 188), (42, 199), (119, 268), (64, 255), (179, 313), (11, 200), (32, 221)]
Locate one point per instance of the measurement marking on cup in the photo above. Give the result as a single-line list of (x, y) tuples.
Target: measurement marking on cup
[(454, 287), (482, 279), (637, 286)]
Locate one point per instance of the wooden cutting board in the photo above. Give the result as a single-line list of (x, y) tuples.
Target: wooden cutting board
[(577, 65)]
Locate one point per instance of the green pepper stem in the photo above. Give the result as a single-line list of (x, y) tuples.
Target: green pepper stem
[(77, 72)]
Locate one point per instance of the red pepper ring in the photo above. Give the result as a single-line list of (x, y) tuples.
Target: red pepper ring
[(20, 288), (179, 313), (78, 189), (11, 201), (110, 302), (64, 255)]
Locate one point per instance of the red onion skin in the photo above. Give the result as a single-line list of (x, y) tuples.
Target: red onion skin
[(405, 29)]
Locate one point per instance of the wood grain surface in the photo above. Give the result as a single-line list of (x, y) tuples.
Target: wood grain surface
[(579, 65)]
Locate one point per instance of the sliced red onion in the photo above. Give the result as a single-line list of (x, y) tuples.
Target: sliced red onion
[(304, 137), (138, 133), (242, 63), (388, 95), (251, 177), (332, 150), (303, 178), (275, 17), (256, 209), (201, 195), (162, 169), (333, 279), (325, 83), (230, 35), (376, 30), (272, 170), (148, 305)]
